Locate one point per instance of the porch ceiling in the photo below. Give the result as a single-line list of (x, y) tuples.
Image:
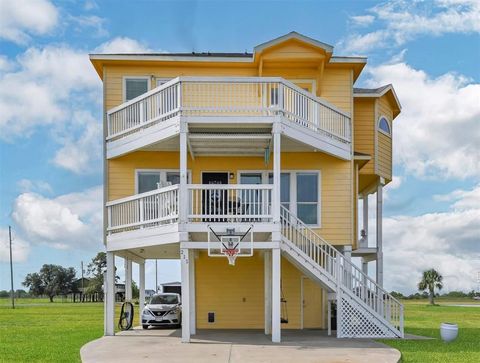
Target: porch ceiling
[(167, 251)]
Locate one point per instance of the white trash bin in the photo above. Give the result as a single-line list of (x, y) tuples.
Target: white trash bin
[(448, 332)]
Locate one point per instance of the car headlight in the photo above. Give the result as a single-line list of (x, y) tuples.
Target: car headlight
[(148, 312)]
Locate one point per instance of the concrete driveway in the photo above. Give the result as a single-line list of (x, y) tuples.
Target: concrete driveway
[(213, 346)]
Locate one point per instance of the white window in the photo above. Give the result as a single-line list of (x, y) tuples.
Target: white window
[(299, 192), (134, 87), (147, 180)]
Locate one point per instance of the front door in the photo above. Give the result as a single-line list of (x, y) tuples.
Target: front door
[(312, 304), (213, 199)]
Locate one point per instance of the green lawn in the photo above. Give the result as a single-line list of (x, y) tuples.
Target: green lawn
[(39, 331), (422, 319)]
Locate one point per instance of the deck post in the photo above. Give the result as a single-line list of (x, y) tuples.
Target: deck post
[(276, 172), (379, 234), (267, 259), (276, 308), (184, 258), (109, 285), (128, 279), (183, 197), (141, 287), (365, 221), (191, 272)]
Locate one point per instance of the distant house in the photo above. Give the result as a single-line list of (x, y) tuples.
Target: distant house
[(81, 285), (175, 287), (149, 293)]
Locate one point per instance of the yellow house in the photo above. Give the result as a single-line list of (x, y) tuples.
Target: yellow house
[(249, 168)]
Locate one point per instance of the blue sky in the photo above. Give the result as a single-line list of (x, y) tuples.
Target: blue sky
[(50, 115)]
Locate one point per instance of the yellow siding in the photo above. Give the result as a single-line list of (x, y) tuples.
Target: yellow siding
[(384, 156), (236, 293), (364, 131), (336, 183), (337, 88), (113, 81), (384, 142)]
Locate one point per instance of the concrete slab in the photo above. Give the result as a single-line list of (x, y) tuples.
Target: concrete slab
[(235, 346)]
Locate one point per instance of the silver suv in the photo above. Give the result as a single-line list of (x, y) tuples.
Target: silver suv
[(163, 310)]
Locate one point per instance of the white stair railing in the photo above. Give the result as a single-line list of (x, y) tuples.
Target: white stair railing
[(143, 210), (351, 280)]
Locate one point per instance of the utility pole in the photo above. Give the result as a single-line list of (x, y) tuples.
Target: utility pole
[(83, 290), (11, 267)]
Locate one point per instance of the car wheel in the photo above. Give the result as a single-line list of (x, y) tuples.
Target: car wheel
[(145, 326)]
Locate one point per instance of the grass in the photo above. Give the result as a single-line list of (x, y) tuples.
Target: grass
[(39, 331), (423, 319)]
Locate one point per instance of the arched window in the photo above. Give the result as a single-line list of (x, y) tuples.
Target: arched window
[(384, 125)]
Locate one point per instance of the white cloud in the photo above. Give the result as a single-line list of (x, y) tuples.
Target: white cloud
[(401, 21), (68, 221), (463, 199), (20, 248), (81, 145), (447, 241), (362, 20), (82, 23), (122, 45), (20, 19), (27, 185), (437, 133), (56, 87)]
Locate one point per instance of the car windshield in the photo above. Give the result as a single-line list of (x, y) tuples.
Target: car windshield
[(164, 299)]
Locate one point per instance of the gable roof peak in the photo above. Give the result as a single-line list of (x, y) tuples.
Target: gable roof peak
[(294, 35)]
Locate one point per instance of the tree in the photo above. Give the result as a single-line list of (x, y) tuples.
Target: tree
[(52, 280), (95, 270), (431, 279)]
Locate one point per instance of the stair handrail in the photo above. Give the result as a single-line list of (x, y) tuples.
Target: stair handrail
[(352, 278)]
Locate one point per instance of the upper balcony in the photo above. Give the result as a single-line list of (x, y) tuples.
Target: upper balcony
[(228, 105)]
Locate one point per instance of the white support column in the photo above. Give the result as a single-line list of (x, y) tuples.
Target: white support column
[(183, 197), (276, 176), (128, 279), (267, 259), (185, 295), (379, 234), (109, 322), (365, 221), (347, 252), (141, 287), (276, 296), (191, 272)]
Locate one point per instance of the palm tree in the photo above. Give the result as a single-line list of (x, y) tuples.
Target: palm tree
[(431, 279)]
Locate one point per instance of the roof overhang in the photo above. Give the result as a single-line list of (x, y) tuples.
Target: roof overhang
[(387, 90)]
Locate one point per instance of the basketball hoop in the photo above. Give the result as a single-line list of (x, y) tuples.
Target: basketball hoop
[(230, 245), (230, 248)]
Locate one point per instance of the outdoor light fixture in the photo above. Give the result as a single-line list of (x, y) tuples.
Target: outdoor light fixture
[(232, 175)]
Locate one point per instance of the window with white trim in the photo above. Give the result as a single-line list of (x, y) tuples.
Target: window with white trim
[(307, 197), (299, 191), (384, 125), (148, 180), (135, 87)]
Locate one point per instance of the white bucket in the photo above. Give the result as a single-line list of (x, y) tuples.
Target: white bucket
[(448, 332)]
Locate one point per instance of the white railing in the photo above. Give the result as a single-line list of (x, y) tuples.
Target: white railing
[(144, 210), (230, 203), (229, 96), (340, 269)]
